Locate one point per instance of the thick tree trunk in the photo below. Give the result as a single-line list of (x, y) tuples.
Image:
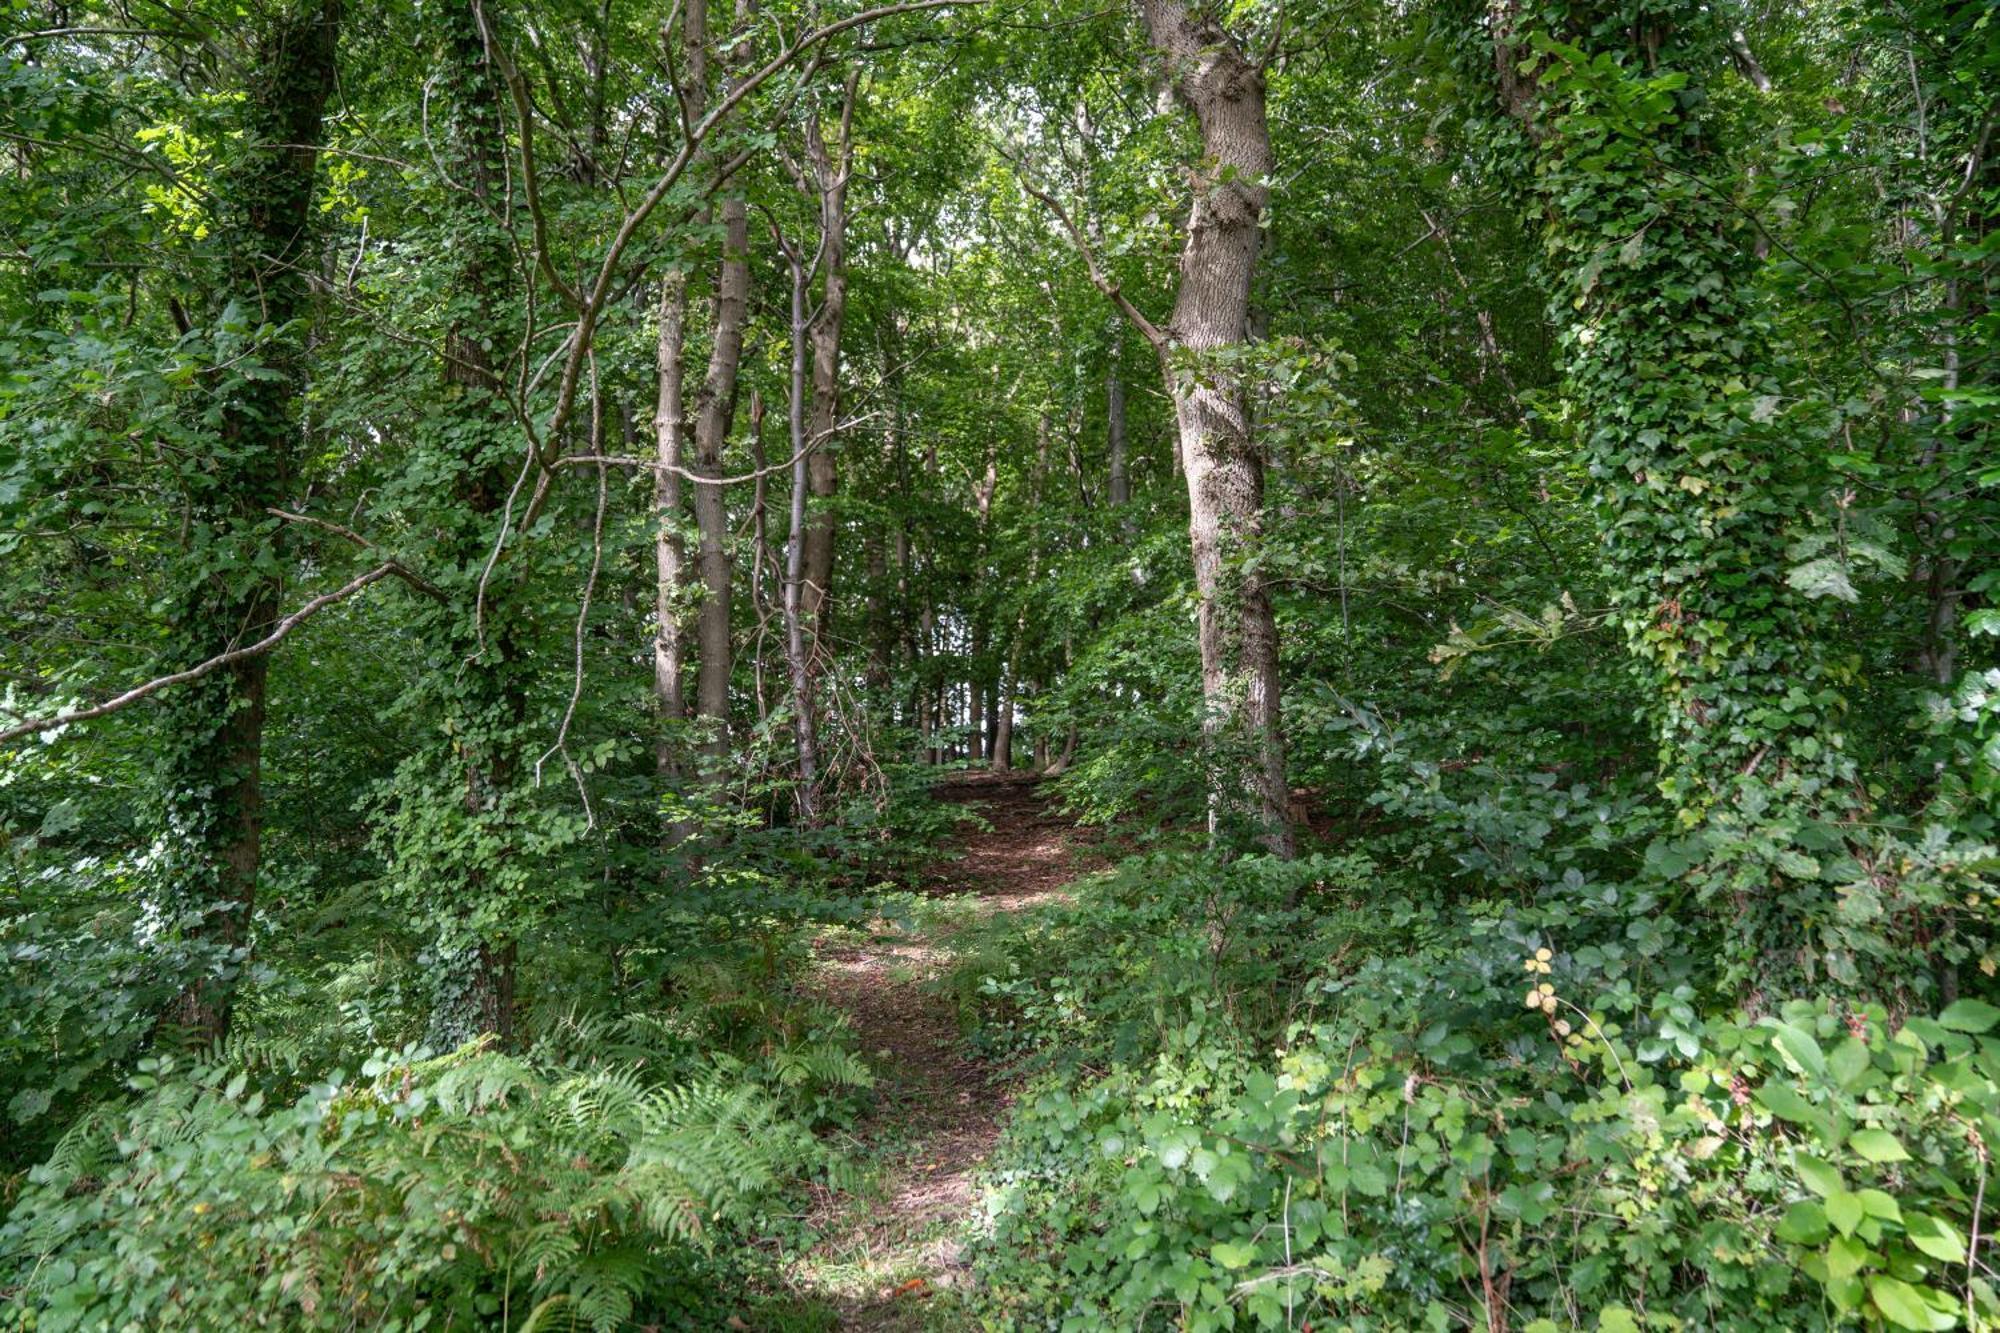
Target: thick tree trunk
[(487, 710), (1224, 468), (211, 779), (1699, 502)]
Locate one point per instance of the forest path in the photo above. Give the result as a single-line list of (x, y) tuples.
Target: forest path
[(888, 1254)]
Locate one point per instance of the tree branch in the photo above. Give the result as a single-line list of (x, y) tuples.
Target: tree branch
[(398, 568), (1099, 279), (212, 665)]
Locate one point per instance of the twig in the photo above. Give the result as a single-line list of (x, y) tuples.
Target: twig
[(687, 474)]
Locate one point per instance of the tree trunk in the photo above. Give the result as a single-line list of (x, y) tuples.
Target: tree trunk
[(1114, 429), (1698, 500), (1224, 468), (715, 414), (669, 552), (1003, 727), (482, 708), (976, 688), (761, 557), (211, 778), (797, 664), (830, 172)]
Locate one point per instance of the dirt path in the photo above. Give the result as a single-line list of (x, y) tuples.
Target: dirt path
[(889, 1253)]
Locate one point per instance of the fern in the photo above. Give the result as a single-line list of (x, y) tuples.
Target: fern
[(428, 1185)]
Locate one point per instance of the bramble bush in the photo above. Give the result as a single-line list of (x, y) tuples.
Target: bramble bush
[(1499, 1117)]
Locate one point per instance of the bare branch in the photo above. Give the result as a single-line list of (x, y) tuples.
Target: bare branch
[(400, 570), (211, 666), (655, 465), (1099, 279), (524, 113)]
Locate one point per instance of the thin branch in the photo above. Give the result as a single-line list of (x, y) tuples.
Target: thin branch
[(400, 570), (212, 665), (1098, 277), (524, 113), (561, 745), (653, 464)]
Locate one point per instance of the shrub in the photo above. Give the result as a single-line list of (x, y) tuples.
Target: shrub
[(1493, 1127)]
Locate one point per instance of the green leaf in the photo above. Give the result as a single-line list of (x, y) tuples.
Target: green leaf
[(1233, 1254), (1969, 1015), (1845, 1211), (1878, 1145), (1879, 1206), (1801, 1052), (1616, 1319), (1845, 1257), (1785, 1102), (1935, 1237), (1904, 1306), (1848, 1063), (1804, 1223), (1820, 1177)]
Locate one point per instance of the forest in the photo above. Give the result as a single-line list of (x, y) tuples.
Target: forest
[(999, 664)]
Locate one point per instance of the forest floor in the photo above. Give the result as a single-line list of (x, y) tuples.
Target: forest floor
[(888, 1252)]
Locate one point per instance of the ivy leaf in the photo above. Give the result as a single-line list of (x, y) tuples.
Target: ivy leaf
[(1824, 577), (1616, 1319)]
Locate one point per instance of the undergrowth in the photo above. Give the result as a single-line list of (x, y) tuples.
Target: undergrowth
[(1307, 1097)]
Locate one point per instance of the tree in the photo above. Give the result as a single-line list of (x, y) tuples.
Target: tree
[(211, 817), (1202, 348)]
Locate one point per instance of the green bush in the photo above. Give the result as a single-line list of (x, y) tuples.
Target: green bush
[(1485, 1125), (1169, 950)]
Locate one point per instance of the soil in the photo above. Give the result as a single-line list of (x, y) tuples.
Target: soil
[(888, 1252)]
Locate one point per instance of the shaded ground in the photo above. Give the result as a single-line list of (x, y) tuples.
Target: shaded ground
[(889, 1254)]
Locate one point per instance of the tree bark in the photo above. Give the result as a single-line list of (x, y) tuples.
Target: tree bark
[(1214, 80), (797, 663), (669, 551), (831, 169), (1114, 429), (715, 414)]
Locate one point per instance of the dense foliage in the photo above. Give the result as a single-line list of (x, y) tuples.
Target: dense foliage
[(508, 509)]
